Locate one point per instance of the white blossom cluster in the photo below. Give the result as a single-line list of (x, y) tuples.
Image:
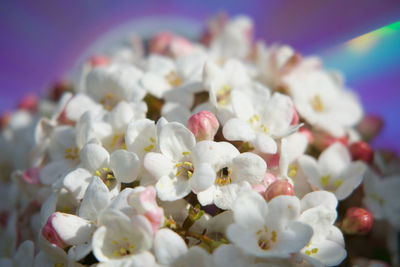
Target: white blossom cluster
[(227, 152)]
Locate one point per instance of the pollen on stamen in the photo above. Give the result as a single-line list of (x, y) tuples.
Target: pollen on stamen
[(185, 153), (149, 148)]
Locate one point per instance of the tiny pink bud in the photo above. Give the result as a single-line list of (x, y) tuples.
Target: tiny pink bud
[(269, 178), (357, 221), (4, 119), (50, 233), (323, 140), (370, 126), (99, 60), (272, 160), (279, 188), (31, 176), (361, 151), (308, 134), (169, 44), (29, 103), (295, 117), (204, 125)]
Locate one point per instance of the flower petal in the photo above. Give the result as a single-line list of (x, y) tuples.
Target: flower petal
[(125, 165)]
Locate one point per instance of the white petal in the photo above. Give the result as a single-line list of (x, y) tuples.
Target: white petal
[(288, 208), (72, 229), (172, 189), (229, 255), (24, 254), (155, 84), (249, 167), (203, 177), (141, 137), (317, 198), (176, 139), (158, 165), (295, 237), (174, 111), (195, 255), (94, 157), (310, 167), (236, 129), (168, 246), (76, 182), (250, 209), (352, 177), (125, 165), (329, 253), (97, 197), (120, 116), (53, 171), (334, 159), (265, 143), (206, 197)]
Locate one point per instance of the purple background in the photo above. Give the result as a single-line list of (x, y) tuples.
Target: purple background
[(41, 40)]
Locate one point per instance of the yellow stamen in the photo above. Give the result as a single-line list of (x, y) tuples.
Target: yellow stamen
[(149, 148), (337, 183), (187, 163), (189, 174), (185, 153), (178, 164), (314, 250), (273, 238), (152, 139), (325, 180), (308, 253), (317, 104)]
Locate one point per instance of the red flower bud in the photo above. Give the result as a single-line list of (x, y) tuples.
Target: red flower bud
[(279, 188), (357, 221), (361, 151)]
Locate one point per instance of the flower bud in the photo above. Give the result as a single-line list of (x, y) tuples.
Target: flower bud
[(307, 133), (357, 221), (29, 103), (204, 125), (169, 44), (99, 60), (4, 119), (361, 151), (62, 229), (370, 126), (279, 188), (31, 176)]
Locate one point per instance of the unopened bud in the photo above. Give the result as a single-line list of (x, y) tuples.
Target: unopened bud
[(357, 221), (31, 176), (62, 229), (99, 60), (169, 44), (29, 103), (279, 188), (361, 151), (323, 140), (204, 125), (370, 126)]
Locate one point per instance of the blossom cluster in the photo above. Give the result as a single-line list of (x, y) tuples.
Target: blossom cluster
[(169, 152)]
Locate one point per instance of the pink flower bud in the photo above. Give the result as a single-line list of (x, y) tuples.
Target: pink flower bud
[(58, 89), (29, 103), (323, 140), (4, 119), (279, 188), (169, 44), (99, 60), (272, 160), (63, 229), (295, 117), (361, 151), (50, 233), (31, 176), (357, 221), (204, 125), (307, 133), (370, 126), (269, 178)]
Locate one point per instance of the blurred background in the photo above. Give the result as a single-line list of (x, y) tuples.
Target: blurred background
[(41, 41)]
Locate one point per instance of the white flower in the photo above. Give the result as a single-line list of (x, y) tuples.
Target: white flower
[(110, 84), (183, 75), (268, 230), (120, 236), (381, 196), (22, 257), (322, 102), (234, 40), (326, 247), (174, 167), (232, 172), (334, 171), (220, 82), (260, 118)]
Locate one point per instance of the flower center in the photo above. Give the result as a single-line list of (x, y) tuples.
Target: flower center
[(71, 153), (173, 79), (122, 248), (330, 184), (309, 251), (255, 121), (223, 176), (224, 95), (118, 141), (317, 104), (266, 239), (151, 146), (184, 168), (107, 176), (109, 101)]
